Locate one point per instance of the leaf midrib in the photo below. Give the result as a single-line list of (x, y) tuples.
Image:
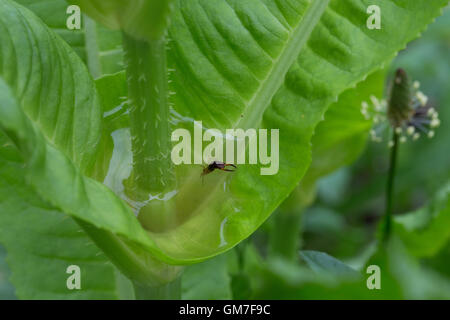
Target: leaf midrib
[(299, 36)]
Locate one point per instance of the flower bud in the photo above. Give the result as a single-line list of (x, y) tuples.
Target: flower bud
[(400, 103)]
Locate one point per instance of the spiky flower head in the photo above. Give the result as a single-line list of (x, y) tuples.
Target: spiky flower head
[(400, 106), (406, 112)]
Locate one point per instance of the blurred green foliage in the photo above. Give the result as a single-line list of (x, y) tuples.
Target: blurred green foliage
[(344, 217), (356, 193), (337, 234)]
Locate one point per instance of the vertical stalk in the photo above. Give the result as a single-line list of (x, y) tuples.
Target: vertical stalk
[(285, 238), (390, 188), (149, 115), (170, 291), (150, 136)]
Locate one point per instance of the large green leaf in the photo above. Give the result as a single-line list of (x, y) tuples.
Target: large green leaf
[(98, 46), (231, 73), (51, 83), (40, 241), (84, 198), (53, 161)]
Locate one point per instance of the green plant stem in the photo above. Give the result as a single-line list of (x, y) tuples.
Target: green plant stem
[(390, 188), (149, 114), (170, 291), (285, 238)]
